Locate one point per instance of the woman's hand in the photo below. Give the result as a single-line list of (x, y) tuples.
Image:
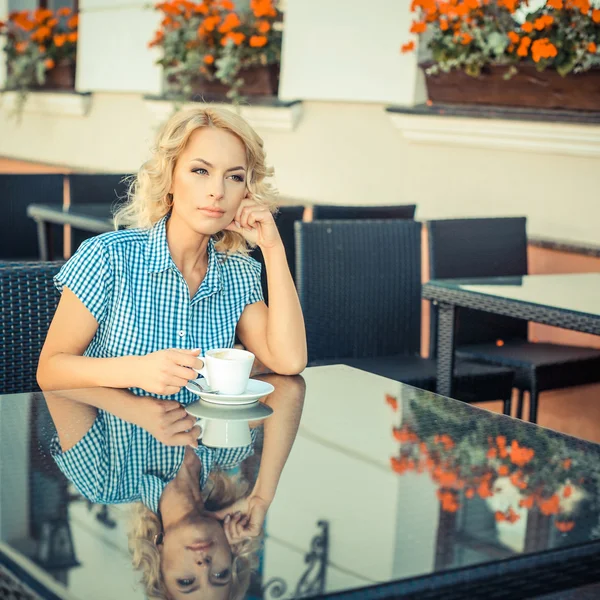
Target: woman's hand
[(243, 519), (165, 372), (256, 223), (167, 421)]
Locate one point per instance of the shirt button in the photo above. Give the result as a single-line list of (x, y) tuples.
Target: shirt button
[(181, 333)]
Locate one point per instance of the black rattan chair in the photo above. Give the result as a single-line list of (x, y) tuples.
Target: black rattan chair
[(359, 284), (490, 247), (18, 233), (333, 211), (107, 189), (28, 300), (285, 218)]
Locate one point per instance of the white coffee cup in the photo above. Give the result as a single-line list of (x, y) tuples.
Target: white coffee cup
[(227, 370), (218, 433)]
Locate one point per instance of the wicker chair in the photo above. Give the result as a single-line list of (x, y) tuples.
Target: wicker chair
[(359, 284), (494, 247), (28, 300), (333, 211), (285, 219)]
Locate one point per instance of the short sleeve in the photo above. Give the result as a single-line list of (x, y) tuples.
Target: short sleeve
[(88, 275), (256, 290)]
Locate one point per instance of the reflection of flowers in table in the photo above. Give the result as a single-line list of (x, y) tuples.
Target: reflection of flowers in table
[(470, 456)]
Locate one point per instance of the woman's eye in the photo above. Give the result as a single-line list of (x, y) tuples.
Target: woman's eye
[(238, 178), (185, 582), (222, 574), (200, 171)]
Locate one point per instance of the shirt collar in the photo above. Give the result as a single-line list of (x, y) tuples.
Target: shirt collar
[(158, 259)]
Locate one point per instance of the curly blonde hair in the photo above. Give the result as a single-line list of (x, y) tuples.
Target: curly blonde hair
[(220, 491), (149, 199)]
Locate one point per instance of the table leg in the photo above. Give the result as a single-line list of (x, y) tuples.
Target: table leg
[(42, 233), (445, 349)]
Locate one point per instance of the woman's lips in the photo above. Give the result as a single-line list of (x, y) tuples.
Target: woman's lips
[(201, 546), (212, 212)]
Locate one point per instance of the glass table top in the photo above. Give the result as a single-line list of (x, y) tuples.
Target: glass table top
[(385, 481), (573, 292)]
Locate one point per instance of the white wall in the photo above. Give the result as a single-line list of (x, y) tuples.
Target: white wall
[(348, 50), (112, 53)]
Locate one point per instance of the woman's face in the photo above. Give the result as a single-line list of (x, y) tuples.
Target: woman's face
[(209, 180), (196, 561)]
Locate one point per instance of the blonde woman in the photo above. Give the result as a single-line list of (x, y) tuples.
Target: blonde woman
[(141, 305)]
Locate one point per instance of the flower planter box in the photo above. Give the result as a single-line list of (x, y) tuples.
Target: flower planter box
[(527, 88), (258, 81), (61, 77)]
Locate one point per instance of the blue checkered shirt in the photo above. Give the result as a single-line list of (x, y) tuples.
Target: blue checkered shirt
[(117, 462), (130, 284)]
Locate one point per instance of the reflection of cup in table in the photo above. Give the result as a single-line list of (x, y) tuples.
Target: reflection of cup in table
[(227, 370), (225, 434)]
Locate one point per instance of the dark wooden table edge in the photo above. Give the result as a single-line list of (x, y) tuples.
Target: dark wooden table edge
[(583, 560), (582, 248)]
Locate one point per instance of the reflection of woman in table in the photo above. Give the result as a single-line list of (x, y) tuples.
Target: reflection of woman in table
[(198, 523)]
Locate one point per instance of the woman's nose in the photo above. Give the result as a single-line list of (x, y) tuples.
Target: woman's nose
[(206, 560), (217, 190)]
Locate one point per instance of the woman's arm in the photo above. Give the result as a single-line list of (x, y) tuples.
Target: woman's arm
[(275, 334), (63, 366)]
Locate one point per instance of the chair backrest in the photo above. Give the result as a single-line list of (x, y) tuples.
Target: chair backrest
[(359, 284), (486, 247), (285, 219), (331, 211), (95, 188), (28, 300), (18, 232)]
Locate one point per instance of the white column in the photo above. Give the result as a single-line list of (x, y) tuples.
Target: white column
[(113, 53), (348, 50)]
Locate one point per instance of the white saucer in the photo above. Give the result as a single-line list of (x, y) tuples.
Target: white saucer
[(209, 410), (256, 389)]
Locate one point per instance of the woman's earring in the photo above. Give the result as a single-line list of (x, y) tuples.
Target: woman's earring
[(158, 538)]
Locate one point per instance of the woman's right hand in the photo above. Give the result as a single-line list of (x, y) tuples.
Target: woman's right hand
[(167, 421), (165, 372)]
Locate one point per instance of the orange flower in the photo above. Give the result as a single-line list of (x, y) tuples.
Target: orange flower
[(484, 490), (567, 491), (209, 59), (513, 36), (503, 471), (470, 493), (596, 15), (564, 526), (523, 48), (543, 48), (443, 24), (42, 49), (158, 38), (201, 8), (448, 500), (527, 502), (519, 455), (527, 27), (591, 48), (543, 22), (263, 26), (20, 47), (72, 37), (466, 39), (63, 12), (42, 34), (409, 47), (73, 22), (52, 23), (499, 516), (227, 4), (516, 480), (59, 40), (210, 23), (49, 64), (511, 5), (567, 463), (418, 27), (231, 21), (392, 401), (550, 506), (262, 8), (237, 38), (492, 453), (555, 4)]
